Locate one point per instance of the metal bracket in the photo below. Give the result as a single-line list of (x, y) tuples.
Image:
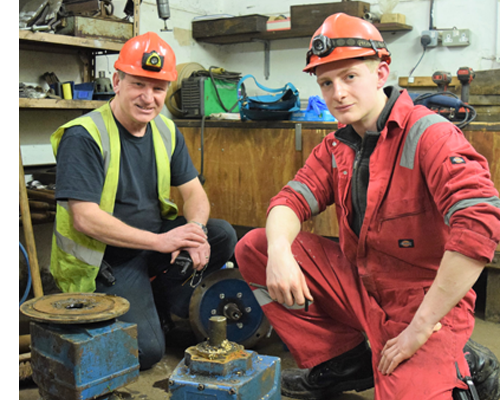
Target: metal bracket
[(298, 137), (267, 57)]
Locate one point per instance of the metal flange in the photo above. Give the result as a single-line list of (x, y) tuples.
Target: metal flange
[(75, 308), (225, 293)]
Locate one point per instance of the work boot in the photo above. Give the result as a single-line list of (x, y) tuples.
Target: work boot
[(349, 371), (484, 369)]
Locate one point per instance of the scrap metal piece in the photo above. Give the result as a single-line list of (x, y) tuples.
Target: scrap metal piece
[(75, 308)]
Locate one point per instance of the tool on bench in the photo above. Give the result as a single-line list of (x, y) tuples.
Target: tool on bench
[(448, 104), (442, 79), (465, 75)]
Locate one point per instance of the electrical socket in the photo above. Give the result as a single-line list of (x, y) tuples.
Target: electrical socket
[(432, 35), (455, 37)]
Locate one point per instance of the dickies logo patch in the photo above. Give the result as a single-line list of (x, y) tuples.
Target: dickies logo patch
[(457, 160), (406, 243)]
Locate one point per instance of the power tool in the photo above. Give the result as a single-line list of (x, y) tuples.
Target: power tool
[(442, 80), (465, 75)]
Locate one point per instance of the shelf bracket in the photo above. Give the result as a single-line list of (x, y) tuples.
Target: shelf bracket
[(267, 57)]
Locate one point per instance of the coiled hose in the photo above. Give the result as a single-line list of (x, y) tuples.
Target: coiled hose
[(28, 284)]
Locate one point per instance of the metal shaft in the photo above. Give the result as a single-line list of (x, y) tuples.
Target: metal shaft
[(217, 326)]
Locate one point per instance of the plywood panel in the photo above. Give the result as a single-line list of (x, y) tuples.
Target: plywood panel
[(244, 169)]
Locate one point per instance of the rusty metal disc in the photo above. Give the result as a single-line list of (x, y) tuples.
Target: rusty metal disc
[(75, 308)]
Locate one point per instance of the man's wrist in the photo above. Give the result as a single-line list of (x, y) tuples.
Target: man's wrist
[(203, 227)]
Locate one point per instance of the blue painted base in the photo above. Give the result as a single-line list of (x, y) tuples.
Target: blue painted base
[(80, 362), (261, 381)]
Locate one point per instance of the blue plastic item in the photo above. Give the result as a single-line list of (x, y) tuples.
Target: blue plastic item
[(317, 110), (83, 91), (278, 104), (80, 362)]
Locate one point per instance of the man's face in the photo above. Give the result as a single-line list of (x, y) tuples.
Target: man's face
[(350, 90), (139, 99)]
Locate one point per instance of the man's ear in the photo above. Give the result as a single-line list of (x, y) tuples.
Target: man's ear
[(383, 71), (116, 81)]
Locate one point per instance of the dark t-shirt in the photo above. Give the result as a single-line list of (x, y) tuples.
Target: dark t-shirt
[(80, 174)]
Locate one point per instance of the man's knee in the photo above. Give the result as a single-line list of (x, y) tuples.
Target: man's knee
[(151, 351)]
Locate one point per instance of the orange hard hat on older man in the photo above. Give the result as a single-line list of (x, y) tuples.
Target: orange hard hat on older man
[(148, 56), (343, 37)]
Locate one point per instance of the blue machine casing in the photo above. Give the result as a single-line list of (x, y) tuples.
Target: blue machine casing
[(260, 381), (79, 362)]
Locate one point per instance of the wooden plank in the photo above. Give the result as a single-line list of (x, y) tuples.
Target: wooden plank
[(246, 24), (424, 82), (62, 40), (60, 104), (313, 15)]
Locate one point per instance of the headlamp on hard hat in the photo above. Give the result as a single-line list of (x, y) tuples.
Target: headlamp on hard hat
[(323, 46), (152, 61)]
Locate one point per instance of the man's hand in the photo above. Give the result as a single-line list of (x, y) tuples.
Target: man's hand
[(456, 275), (187, 235), (402, 347), (285, 281)]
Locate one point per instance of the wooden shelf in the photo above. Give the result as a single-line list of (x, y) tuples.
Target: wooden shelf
[(60, 104), (65, 42), (286, 34)]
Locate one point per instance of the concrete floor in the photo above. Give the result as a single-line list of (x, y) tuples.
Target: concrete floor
[(152, 384)]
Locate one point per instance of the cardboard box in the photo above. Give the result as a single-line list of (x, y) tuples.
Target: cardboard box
[(393, 18), (310, 17)]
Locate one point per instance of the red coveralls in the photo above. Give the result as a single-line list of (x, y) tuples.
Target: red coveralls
[(429, 191)]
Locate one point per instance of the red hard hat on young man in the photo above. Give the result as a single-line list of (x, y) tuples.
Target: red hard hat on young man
[(148, 56), (342, 37)]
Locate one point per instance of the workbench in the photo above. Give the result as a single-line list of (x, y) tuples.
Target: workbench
[(247, 163)]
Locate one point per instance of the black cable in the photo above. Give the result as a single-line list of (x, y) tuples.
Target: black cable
[(415, 67), (217, 92), (202, 140)]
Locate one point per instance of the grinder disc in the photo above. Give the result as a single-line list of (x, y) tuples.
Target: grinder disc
[(75, 308)]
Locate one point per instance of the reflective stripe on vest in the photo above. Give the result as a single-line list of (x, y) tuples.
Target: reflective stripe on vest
[(88, 256), (76, 257)]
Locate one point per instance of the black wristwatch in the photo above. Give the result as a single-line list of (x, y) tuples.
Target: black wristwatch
[(203, 227)]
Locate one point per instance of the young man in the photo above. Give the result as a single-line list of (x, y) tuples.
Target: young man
[(115, 167), (418, 219)]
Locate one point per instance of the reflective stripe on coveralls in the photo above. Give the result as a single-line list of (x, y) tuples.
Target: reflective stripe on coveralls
[(407, 161), (494, 201), (76, 257), (307, 194)]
